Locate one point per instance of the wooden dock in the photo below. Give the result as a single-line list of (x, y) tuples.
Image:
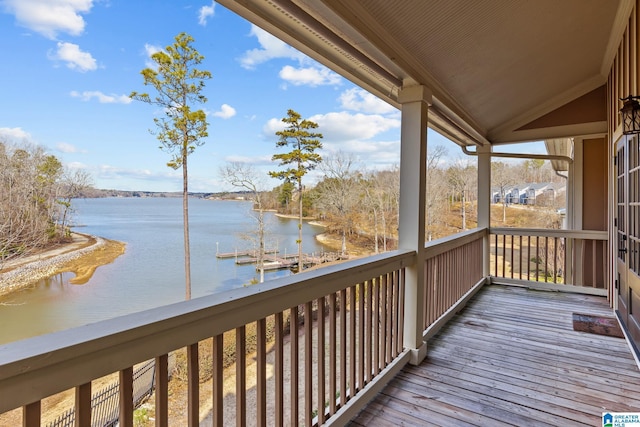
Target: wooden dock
[(275, 261), (243, 253), (512, 358)]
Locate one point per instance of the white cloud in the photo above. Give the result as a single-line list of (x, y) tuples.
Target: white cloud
[(352, 133), (272, 126), (255, 160), (50, 17), (114, 172), (12, 134), (342, 127), (345, 126), (74, 57), (149, 50), (65, 147), (226, 112), (312, 76), (101, 97), (270, 48), (357, 99), (76, 165), (206, 12)]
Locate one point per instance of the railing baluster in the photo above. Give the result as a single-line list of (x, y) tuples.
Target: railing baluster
[(83, 405), (261, 372), (369, 330), (504, 255), (594, 274), (401, 274), (383, 320), (389, 314), (394, 306), (308, 363), (343, 347), (528, 257), (161, 380), (495, 257), (241, 376), (537, 257), (279, 368), (321, 361), (31, 414), (293, 362), (376, 326), (512, 257), (520, 258), (217, 380), (555, 260), (193, 385), (546, 258), (332, 355), (353, 352), (126, 397), (361, 339)]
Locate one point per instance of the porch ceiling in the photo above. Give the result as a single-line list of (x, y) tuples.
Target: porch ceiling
[(500, 71)]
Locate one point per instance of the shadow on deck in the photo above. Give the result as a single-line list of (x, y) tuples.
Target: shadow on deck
[(511, 357)]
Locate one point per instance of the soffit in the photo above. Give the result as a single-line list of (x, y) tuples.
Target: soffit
[(493, 66), (560, 147)]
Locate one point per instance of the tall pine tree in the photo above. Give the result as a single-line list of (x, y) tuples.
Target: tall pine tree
[(179, 85), (298, 134)]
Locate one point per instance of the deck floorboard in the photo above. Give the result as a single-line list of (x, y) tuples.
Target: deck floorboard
[(511, 357)]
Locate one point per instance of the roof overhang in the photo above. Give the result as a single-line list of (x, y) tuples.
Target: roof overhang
[(499, 71)]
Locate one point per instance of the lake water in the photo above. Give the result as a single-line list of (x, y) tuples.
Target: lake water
[(151, 271)]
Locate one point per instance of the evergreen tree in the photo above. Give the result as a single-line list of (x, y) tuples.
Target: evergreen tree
[(179, 85), (301, 159)]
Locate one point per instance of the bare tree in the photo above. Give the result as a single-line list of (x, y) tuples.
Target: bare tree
[(245, 176), (462, 177), (31, 187), (502, 178), (436, 189), (73, 184), (338, 192)]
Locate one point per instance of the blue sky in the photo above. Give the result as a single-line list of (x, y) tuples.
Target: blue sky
[(69, 65)]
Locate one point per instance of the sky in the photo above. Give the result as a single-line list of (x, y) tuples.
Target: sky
[(69, 66)]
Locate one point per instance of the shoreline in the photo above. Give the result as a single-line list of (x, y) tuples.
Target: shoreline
[(287, 216), (79, 256)]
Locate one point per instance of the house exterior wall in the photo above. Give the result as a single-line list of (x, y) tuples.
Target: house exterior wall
[(594, 189), (623, 80)]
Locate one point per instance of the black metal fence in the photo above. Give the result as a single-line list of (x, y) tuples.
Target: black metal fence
[(105, 403)]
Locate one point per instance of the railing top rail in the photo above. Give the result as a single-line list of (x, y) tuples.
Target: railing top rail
[(543, 232), (445, 244), (41, 366)]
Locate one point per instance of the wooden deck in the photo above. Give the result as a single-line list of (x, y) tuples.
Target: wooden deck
[(512, 358)]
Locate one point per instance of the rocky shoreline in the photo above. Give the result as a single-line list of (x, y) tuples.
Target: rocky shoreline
[(35, 270)]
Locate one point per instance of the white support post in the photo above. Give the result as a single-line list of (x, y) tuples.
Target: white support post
[(415, 102), (484, 201)]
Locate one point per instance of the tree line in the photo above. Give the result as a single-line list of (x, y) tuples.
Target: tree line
[(361, 205), (35, 198)]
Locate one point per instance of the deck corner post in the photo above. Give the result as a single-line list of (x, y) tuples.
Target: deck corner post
[(415, 100), (484, 201)]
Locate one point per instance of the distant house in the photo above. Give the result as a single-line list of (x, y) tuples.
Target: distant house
[(543, 193)]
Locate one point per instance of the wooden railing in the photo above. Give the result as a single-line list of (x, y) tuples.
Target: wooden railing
[(336, 331), (453, 269), (550, 257), (308, 349)]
